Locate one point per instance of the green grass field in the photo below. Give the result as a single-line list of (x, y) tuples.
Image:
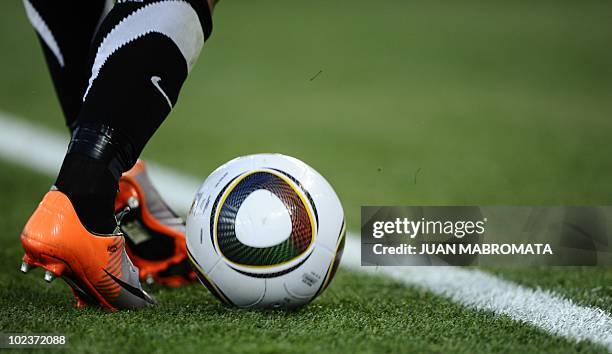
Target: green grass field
[(358, 313), (446, 102)]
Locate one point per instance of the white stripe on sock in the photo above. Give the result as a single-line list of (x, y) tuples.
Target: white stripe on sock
[(175, 19), (43, 30)]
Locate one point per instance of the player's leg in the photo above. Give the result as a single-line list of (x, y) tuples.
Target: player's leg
[(65, 29), (151, 68), (54, 237), (143, 52), (155, 240)]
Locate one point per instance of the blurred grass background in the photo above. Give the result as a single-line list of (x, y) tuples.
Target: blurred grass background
[(418, 102)]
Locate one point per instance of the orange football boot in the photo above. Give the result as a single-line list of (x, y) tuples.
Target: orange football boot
[(95, 266), (155, 234)]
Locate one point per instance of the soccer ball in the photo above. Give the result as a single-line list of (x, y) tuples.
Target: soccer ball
[(265, 231)]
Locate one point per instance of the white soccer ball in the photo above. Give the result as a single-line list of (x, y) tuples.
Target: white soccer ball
[(265, 231)]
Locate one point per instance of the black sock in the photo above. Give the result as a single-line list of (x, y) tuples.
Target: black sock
[(143, 52), (141, 55), (96, 158), (65, 29), (91, 188)]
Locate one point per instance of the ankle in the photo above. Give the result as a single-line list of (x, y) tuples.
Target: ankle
[(91, 189)]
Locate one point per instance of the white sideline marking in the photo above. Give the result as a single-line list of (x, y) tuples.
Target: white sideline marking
[(480, 290), (42, 151)]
